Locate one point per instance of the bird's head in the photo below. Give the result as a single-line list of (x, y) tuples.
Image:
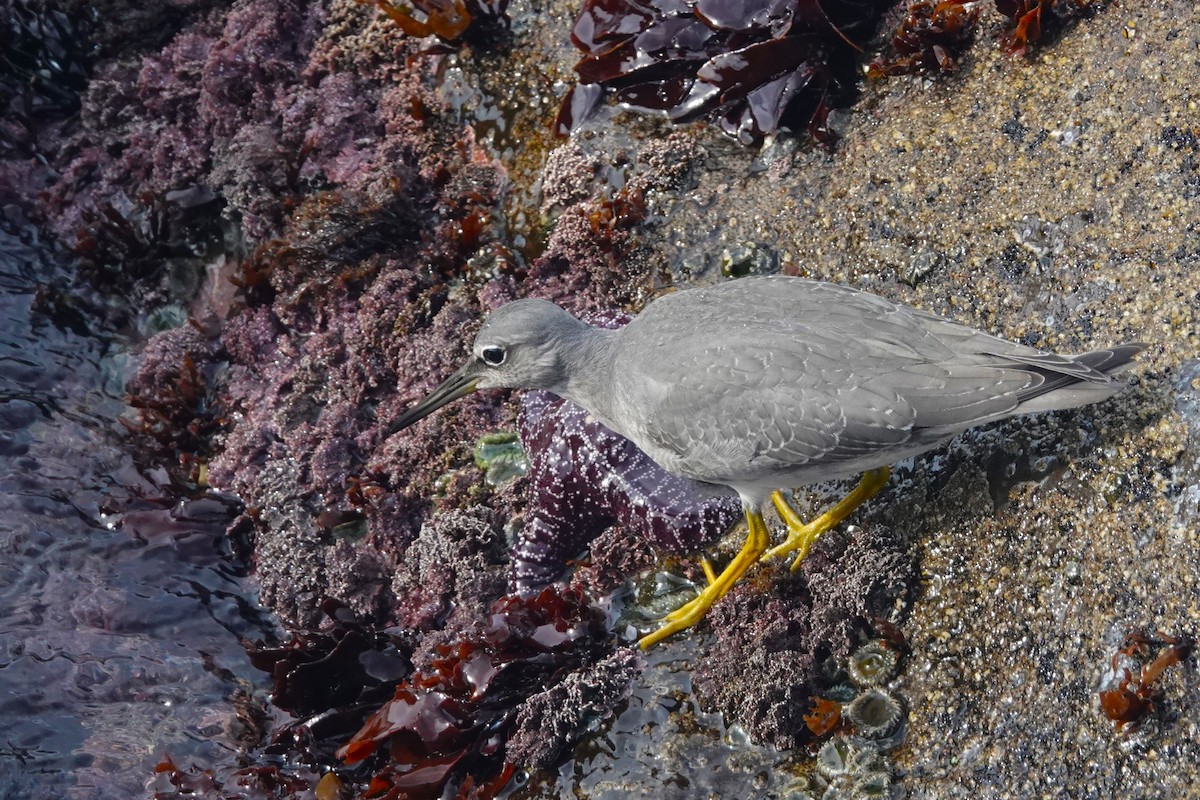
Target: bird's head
[(519, 347)]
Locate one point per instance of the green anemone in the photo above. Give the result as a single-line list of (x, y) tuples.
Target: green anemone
[(872, 664), (875, 714)]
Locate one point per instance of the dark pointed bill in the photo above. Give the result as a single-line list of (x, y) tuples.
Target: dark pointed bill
[(457, 385)]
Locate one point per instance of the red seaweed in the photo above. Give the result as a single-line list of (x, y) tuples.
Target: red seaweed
[(177, 412), (317, 670), (1136, 697), (750, 67), (930, 39), (259, 782), (1028, 18), (444, 731), (451, 21), (933, 35)]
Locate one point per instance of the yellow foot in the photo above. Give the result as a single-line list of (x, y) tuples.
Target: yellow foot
[(801, 536), (694, 610)]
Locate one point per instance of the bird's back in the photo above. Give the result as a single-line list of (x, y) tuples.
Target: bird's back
[(783, 380)]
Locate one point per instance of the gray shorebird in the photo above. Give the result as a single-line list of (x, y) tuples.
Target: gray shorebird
[(767, 383)]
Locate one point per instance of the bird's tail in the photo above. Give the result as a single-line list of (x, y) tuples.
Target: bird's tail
[(1073, 381), (1111, 360)]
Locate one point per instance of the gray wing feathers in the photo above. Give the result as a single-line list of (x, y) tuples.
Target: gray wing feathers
[(805, 371), (956, 396)]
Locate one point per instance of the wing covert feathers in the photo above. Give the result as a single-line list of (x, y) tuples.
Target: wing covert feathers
[(800, 372)]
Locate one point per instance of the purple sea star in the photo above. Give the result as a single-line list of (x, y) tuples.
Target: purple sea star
[(585, 478)]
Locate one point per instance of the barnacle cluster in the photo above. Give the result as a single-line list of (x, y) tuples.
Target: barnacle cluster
[(751, 67)]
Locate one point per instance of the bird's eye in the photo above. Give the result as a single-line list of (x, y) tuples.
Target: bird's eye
[(493, 356)]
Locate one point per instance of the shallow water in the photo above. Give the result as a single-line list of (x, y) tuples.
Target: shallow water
[(120, 608)]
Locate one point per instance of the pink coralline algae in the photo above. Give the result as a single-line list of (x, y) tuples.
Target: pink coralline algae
[(585, 478), (553, 720), (771, 645), (206, 111), (456, 565)]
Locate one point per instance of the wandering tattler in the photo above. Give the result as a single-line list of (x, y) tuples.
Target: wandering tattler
[(767, 383)]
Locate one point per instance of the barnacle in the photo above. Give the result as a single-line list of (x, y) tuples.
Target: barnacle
[(751, 67)]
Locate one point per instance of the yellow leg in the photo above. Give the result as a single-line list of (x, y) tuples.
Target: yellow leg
[(709, 572), (687, 615), (801, 536)]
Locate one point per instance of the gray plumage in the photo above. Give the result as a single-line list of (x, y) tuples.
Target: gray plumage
[(772, 382)]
